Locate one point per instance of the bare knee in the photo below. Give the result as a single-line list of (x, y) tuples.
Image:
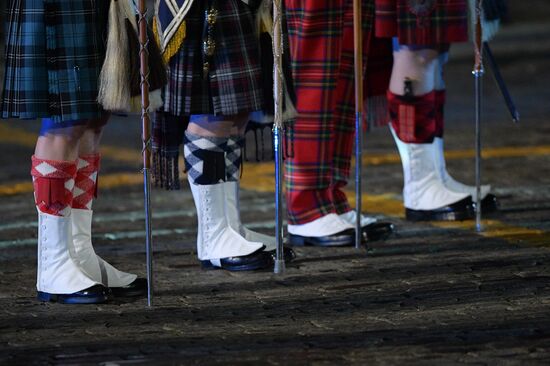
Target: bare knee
[(60, 143), (218, 126), (415, 65)]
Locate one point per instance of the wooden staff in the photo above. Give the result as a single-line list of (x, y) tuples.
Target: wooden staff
[(478, 74), (146, 138), (278, 130), (359, 110)]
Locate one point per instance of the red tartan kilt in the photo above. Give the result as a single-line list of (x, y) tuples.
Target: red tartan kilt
[(427, 22)]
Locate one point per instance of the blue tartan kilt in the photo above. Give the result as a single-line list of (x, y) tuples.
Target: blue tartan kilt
[(54, 54)]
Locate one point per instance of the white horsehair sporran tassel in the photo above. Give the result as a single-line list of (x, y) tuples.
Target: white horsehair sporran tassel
[(114, 79)]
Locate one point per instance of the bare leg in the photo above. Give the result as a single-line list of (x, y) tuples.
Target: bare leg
[(60, 144), (232, 125), (239, 124), (89, 142), (418, 66), (66, 144)]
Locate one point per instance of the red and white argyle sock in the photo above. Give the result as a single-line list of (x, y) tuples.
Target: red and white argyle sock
[(413, 117), (440, 97), (85, 187), (53, 183)]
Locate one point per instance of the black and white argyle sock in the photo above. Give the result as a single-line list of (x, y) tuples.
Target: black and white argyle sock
[(205, 158), (233, 158)]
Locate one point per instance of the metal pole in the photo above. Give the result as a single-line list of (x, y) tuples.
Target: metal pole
[(478, 74), (146, 138), (358, 58), (278, 131)]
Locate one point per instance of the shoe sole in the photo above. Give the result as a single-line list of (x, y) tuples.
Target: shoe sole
[(300, 241), (119, 292), (253, 266), (138, 289), (68, 299), (489, 204), (382, 232), (416, 215), (288, 254)]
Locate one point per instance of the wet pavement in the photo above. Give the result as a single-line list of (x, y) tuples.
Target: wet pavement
[(433, 293)]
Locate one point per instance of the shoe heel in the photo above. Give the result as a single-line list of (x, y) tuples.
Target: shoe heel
[(206, 264), (46, 297), (96, 297), (296, 240)]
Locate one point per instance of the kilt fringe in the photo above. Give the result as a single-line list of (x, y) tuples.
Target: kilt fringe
[(167, 136), (377, 80), (166, 170), (169, 25), (377, 111), (258, 131)]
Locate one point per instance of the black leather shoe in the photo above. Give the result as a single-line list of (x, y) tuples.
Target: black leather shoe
[(134, 289), (287, 252), (257, 260), (341, 239), (377, 231), (92, 295), (458, 211), (489, 204)]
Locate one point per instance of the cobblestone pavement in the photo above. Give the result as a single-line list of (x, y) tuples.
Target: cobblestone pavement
[(431, 294)]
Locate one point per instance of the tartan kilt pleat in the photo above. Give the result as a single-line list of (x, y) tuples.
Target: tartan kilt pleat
[(233, 84), (422, 22), (53, 57)]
